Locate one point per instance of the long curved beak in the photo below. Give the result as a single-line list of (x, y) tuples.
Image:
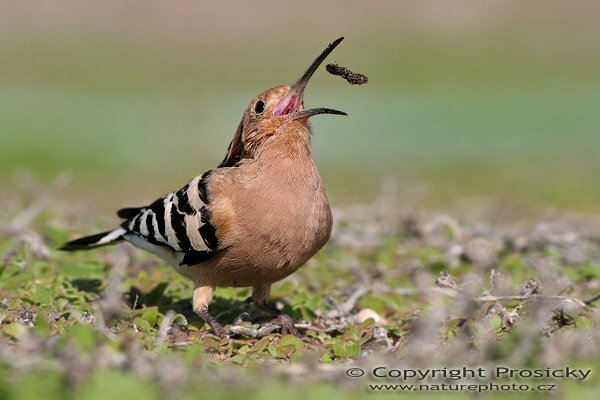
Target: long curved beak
[(314, 111), (292, 102)]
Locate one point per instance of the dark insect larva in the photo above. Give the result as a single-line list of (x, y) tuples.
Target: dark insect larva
[(352, 77)]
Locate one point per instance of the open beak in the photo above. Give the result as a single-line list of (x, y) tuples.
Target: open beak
[(292, 102)]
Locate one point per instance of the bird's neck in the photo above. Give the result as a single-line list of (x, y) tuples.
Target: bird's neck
[(291, 145)]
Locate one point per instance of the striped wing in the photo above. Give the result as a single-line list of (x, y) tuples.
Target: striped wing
[(179, 220)]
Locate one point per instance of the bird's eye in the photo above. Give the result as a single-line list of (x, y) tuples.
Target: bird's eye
[(259, 107)]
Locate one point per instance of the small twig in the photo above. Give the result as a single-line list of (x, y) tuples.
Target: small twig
[(345, 308), (36, 244), (268, 328), (485, 298), (182, 344), (590, 299), (558, 320), (163, 330), (415, 291), (332, 328), (134, 306), (255, 333), (488, 298)]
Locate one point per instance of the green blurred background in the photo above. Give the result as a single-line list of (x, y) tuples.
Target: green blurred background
[(467, 99)]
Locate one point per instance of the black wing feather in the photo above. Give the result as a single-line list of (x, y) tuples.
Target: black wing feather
[(179, 209), (129, 213)]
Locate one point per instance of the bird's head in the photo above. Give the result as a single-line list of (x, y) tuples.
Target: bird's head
[(276, 111)]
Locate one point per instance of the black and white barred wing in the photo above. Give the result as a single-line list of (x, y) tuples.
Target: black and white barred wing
[(179, 221), (177, 227)]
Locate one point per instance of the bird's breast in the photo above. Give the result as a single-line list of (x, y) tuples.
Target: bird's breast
[(282, 220), (293, 220)]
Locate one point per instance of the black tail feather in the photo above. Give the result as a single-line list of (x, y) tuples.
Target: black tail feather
[(90, 242)]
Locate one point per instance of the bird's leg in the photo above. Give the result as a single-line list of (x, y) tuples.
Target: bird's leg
[(260, 294), (203, 295), (211, 321)]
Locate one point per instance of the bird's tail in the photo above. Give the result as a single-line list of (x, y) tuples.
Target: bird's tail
[(97, 240)]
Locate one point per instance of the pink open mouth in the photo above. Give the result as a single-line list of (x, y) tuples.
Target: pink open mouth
[(292, 103), (289, 104)]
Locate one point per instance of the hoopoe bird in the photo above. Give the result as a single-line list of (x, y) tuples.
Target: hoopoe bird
[(250, 222)]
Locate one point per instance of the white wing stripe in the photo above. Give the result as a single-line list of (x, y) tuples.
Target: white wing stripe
[(171, 237), (143, 224)]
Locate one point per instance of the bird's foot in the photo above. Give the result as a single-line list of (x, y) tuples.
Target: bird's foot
[(286, 323), (269, 307), (218, 330), (240, 318), (216, 327)]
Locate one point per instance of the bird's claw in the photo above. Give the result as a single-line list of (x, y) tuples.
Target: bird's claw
[(240, 318), (218, 330), (286, 323)]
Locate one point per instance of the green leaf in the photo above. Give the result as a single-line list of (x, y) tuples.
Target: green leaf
[(15, 330), (150, 314), (261, 345), (495, 323), (238, 358), (41, 294), (272, 350), (142, 324), (180, 319), (291, 340), (346, 349)]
